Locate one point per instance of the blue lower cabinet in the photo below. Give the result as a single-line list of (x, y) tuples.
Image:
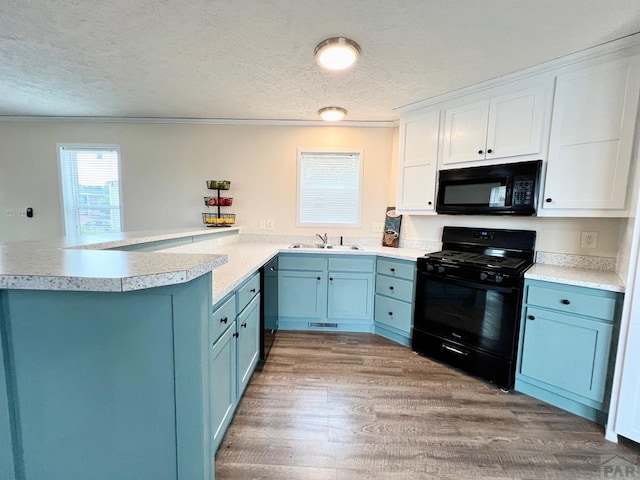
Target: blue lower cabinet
[(223, 370), (301, 295), (565, 347), (350, 297), (248, 328), (326, 292), (393, 314), (233, 355)]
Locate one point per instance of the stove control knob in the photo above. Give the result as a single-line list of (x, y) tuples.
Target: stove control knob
[(499, 278), (440, 269), (483, 276), (429, 268)]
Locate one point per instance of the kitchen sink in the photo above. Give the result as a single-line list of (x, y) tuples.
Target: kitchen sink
[(321, 246)]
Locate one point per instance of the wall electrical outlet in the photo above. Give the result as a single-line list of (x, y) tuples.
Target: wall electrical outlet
[(263, 224), (378, 227), (10, 212), (589, 240), (22, 212), (270, 224)]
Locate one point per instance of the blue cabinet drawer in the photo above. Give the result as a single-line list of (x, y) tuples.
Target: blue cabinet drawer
[(247, 291), (301, 262), (222, 317), (572, 300), (393, 313), (351, 264), (396, 268), (394, 287)]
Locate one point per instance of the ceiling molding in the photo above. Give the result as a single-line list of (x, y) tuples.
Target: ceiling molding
[(615, 46), (200, 121)]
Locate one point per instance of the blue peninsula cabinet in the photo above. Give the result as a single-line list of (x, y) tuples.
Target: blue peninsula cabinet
[(326, 292), (234, 333), (566, 349), (106, 385)]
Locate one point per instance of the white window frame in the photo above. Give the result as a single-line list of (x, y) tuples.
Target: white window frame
[(87, 146), (299, 153)]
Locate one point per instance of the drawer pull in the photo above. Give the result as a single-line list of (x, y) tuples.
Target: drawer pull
[(253, 290), (236, 334), (392, 269), (390, 313), (530, 317), (243, 324), (564, 301), (224, 320), (318, 278), (391, 288)]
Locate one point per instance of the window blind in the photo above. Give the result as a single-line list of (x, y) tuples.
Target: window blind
[(90, 189), (329, 188)]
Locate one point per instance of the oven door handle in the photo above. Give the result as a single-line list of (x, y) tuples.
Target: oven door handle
[(454, 350), (467, 283)]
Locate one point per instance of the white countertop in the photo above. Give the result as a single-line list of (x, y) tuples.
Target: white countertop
[(576, 276), (83, 264), (245, 258), (87, 264)]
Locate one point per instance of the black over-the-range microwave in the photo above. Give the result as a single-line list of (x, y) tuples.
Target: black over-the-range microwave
[(505, 189)]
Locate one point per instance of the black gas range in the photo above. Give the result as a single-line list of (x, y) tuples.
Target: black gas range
[(468, 297)]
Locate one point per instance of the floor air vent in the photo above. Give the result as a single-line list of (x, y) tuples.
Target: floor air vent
[(322, 325)]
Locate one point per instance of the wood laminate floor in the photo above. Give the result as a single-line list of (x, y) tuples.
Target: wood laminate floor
[(358, 406)]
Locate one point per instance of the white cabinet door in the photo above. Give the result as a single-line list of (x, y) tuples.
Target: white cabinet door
[(515, 124), (591, 139), (628, 417), (417, 162), (465, 133)]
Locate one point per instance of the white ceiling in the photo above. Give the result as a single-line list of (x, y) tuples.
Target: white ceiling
[(253, 59)]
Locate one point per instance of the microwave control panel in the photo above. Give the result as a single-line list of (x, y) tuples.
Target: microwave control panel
[(523, 191)]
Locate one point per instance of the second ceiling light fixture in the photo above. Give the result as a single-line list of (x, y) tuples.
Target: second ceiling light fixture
[(336, 53)]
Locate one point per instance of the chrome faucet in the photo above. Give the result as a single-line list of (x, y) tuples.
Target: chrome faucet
[(324, 238)]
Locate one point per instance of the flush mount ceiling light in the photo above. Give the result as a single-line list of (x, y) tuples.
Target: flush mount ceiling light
[(337, 53), (332, 114)]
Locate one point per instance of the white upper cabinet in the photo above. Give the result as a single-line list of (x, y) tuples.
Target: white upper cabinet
[(509, 125), (591, 140), (417, 162)]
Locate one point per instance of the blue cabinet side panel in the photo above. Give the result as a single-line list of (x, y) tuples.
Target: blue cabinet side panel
[(7, 467), (94, 378), (192, 307)]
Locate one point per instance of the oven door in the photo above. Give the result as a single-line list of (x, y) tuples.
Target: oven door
[(467, 313)]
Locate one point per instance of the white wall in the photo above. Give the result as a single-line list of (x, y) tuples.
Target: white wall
[(164, 168)]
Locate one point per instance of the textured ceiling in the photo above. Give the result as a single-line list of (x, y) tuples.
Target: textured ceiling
[(253, 59)]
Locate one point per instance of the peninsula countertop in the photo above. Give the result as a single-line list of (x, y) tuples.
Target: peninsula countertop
[(88, 263)]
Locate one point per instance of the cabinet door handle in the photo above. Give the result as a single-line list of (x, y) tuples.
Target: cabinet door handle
[(490, 151), (331, 279), (548, 200), (243, 325), (224, 320), (564, 301), (480, 152), (318, 278), (392, 269), (391, 288), (390, 313), (253, 290), (429, 203), (531, 317), (236, 334)]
